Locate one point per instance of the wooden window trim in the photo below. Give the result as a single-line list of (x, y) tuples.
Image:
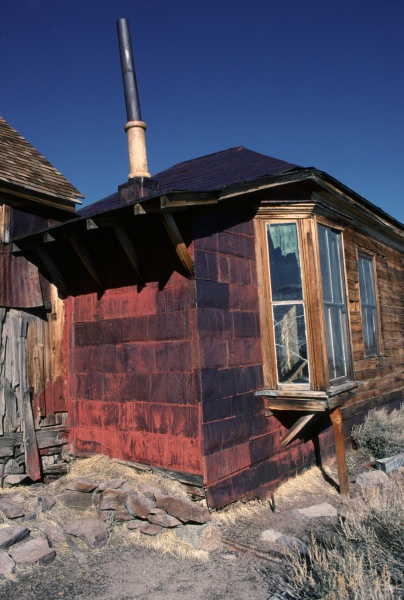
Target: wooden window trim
[(311, 269), (266, 321), (273, 304)]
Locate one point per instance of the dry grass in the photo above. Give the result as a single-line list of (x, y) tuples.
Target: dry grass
[(307, 485), (298, 490), (164, 544), (364, 558), (239, 510)]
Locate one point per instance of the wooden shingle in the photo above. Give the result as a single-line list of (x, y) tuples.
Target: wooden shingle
[(23, 167)]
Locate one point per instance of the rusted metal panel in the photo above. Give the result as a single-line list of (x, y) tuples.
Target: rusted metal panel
[(20, 285)]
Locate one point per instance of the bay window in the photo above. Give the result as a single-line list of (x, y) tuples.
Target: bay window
[(308, 306)]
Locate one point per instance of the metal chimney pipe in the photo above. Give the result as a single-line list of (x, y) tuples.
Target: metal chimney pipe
[(128, 72), (135, 127)]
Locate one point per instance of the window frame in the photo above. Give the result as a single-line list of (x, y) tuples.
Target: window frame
[(371, 258), (273, 304), (346, 327)]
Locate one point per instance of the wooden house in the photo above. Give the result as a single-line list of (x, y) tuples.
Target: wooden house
[(220, 316), (226, 321), (33, 195)]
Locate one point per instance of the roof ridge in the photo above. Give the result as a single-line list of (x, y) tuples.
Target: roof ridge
[(190, 160)]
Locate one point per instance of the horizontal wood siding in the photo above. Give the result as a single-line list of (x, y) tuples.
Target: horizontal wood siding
[(383, 375)]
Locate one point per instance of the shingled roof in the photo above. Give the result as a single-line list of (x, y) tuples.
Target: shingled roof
[(22, 166), (205, 174), (221, 169)]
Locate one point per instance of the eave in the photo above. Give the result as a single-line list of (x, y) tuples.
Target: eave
[(23, 193), (76, 233), (321, 194)]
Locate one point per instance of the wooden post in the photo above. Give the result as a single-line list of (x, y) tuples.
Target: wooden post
[(336, 418), (128, 249), (87, 261), (32, 459)]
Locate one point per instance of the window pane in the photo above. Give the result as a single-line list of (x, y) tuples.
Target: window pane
[(366, 283), (368, 303), (335, 309), (370, 330), (291, 344), (337, 363), (284, 259), (331, 265)]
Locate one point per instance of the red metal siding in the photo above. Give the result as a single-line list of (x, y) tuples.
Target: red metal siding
[(133, 388)]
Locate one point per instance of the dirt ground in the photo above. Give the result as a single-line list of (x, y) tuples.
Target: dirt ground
[(116, 573), (243, 569)]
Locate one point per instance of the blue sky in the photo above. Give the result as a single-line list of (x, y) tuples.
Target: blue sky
[(313, 82)]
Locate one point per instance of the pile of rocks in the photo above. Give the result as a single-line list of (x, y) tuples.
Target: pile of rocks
[(150, 510)]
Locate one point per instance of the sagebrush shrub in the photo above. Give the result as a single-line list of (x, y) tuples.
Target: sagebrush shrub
[(382, 433), (364, 558)]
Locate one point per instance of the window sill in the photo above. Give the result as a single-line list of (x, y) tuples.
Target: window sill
[(306, 400)]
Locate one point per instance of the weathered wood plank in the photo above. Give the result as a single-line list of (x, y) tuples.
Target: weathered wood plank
[(5, 233), (10, 439), (298, 394), (297, 404), (297, 428), (336, 418), (52, 269), (2, 408), (178, 243), (87, 262), (32, 460), (11, 419), (48, 437), (128, 249), (22, 358), (265, 315), (13, 356), (316, 336)]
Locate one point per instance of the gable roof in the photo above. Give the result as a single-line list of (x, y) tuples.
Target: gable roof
[(233, 174), (22, 167), (221, 169)]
